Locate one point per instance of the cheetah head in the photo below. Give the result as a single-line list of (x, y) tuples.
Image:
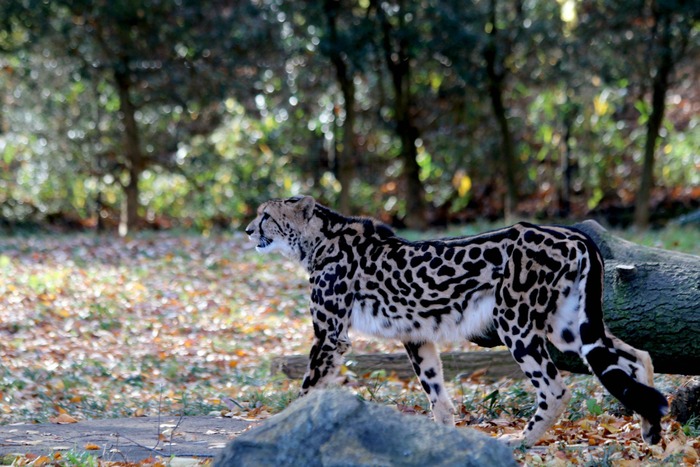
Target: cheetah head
[(281, 225)]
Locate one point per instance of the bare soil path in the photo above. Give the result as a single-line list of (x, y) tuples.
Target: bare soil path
[(125, 439)]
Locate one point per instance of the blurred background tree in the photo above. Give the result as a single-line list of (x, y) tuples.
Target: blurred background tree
[(109, 90), (645, 47), (129, 114)]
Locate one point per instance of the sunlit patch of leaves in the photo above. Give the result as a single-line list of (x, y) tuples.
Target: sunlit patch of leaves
[(101, 327)]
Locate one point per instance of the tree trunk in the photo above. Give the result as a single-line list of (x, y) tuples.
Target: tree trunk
[(658, 106), (686, 402), (567, 165), (398, 61), (99, 207), (415, 192), (129, 213), (132, 150), (345, 158), (651, 301), (495, 71)]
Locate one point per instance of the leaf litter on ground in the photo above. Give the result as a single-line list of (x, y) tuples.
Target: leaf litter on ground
[(163, 323)]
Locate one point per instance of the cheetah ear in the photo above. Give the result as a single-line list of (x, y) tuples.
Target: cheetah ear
[(306, 204)]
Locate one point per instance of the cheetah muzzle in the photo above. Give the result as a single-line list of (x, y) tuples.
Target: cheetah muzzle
[(531, 283)]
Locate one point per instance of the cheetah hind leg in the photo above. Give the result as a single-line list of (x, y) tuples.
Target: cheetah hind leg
[(552, 393), (425, 359)]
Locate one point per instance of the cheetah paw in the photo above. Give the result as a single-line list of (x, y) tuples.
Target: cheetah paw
[(513, 440)]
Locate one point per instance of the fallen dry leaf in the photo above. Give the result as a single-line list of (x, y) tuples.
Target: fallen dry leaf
[(41, 461), (63, 419), (691, 455)]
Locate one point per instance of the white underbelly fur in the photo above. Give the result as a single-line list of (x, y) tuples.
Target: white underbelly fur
[(475, 320)]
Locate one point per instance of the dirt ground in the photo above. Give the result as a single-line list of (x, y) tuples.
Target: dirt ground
[(126, 439)]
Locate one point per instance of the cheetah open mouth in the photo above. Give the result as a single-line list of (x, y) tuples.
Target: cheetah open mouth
[(264, 243)]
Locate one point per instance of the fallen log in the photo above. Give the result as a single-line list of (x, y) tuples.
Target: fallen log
[(685, 404), (492, 364), (651, 301)]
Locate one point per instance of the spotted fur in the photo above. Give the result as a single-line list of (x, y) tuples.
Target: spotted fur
[(531, 283)]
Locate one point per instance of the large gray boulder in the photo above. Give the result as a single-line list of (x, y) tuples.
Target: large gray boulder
[(335, 428)]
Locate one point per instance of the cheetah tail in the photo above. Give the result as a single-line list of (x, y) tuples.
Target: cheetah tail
[(645, 400), (621, 368)]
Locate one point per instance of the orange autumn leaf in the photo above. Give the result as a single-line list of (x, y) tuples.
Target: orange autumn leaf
[(92, 447), (594, 440), (627, 463), (62, 312), (478, 374), (691, 455), (610, 428), (41, 461), (63, 419)]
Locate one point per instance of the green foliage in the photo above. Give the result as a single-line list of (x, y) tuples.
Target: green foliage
[(79, 459), (238, 102), (593, 407)]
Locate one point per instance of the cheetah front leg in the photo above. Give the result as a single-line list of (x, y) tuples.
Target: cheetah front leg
[(425, 358), (326, 356)]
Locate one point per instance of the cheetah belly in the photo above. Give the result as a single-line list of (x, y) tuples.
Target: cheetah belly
[(371, 319)]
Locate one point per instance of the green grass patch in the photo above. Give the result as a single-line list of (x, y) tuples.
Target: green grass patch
[(680, 238)]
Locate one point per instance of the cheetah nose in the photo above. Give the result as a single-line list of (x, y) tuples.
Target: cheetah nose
[(249, 230)]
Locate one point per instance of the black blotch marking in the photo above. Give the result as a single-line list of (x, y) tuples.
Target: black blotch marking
[(567, 335), (474, 253), (493, 256)]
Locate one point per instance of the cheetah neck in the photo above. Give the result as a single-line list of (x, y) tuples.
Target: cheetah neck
[(328, 233)]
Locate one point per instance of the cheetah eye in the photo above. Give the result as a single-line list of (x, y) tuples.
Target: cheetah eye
[(265, 217)]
